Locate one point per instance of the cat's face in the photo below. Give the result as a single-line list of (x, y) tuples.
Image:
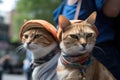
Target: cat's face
[(78, 37), (37, 40)]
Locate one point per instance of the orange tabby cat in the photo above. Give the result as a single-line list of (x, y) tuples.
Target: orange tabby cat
[(40, 37), (77, 42)]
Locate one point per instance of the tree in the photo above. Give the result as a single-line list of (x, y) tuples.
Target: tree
[(34, 9)]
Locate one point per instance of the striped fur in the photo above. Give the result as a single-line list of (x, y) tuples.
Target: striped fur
[(40, 42), (77, 40)]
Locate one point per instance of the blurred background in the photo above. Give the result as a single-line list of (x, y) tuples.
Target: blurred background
[(12, 15)]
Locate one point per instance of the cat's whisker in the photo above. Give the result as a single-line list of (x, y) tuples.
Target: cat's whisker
[(19, 47), (20, 50), (17, 50)]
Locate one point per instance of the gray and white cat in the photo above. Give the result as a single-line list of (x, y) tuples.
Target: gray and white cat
[(44, 46)]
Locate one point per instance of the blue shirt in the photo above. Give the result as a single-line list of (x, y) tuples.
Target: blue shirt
[(27, 61), (103, 23)]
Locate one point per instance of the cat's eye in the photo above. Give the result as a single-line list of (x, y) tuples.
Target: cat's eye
[(26, 36), (89, 35), (74, 36), (36, 36)]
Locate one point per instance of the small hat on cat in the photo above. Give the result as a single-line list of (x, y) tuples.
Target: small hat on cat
[(38, 23)]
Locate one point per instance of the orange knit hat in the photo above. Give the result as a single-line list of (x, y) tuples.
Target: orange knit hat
[(38, 23)]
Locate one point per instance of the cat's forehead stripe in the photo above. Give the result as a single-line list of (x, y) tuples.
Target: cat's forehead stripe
[(80, 29)]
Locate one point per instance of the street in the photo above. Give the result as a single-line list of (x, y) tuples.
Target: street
[(13, 77)]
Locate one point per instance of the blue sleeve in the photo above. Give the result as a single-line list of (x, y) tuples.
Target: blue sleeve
[(99, 4), (58, 11)]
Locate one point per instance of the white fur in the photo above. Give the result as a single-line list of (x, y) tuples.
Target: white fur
[(63, 73), (75, 50), (47, 70), (40, 51)]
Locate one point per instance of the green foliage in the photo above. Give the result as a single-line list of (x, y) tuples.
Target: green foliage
[(33, 9)]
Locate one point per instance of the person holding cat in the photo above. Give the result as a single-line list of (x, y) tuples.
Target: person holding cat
[(107, 53)]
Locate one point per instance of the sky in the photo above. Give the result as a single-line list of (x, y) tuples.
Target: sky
[(7, 5)]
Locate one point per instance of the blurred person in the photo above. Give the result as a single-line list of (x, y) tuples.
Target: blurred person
[(26, 65), (106, 11), (7, 66)]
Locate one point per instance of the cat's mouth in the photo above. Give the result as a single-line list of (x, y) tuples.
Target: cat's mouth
[(83, 50), (30, 47), (78, 53)]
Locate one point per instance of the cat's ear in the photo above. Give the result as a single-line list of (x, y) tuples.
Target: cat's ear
[(64, 23), (92, 18)]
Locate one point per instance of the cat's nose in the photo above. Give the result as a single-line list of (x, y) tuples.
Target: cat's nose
[(84, 44), (28, 43)]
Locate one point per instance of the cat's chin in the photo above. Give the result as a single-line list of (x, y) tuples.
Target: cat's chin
[(83, 51), (31, 47), (78, 53)]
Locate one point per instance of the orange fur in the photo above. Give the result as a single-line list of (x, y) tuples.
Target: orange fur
[(77, 40)]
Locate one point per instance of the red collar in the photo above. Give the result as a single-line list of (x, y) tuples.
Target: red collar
[(78, 61)]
